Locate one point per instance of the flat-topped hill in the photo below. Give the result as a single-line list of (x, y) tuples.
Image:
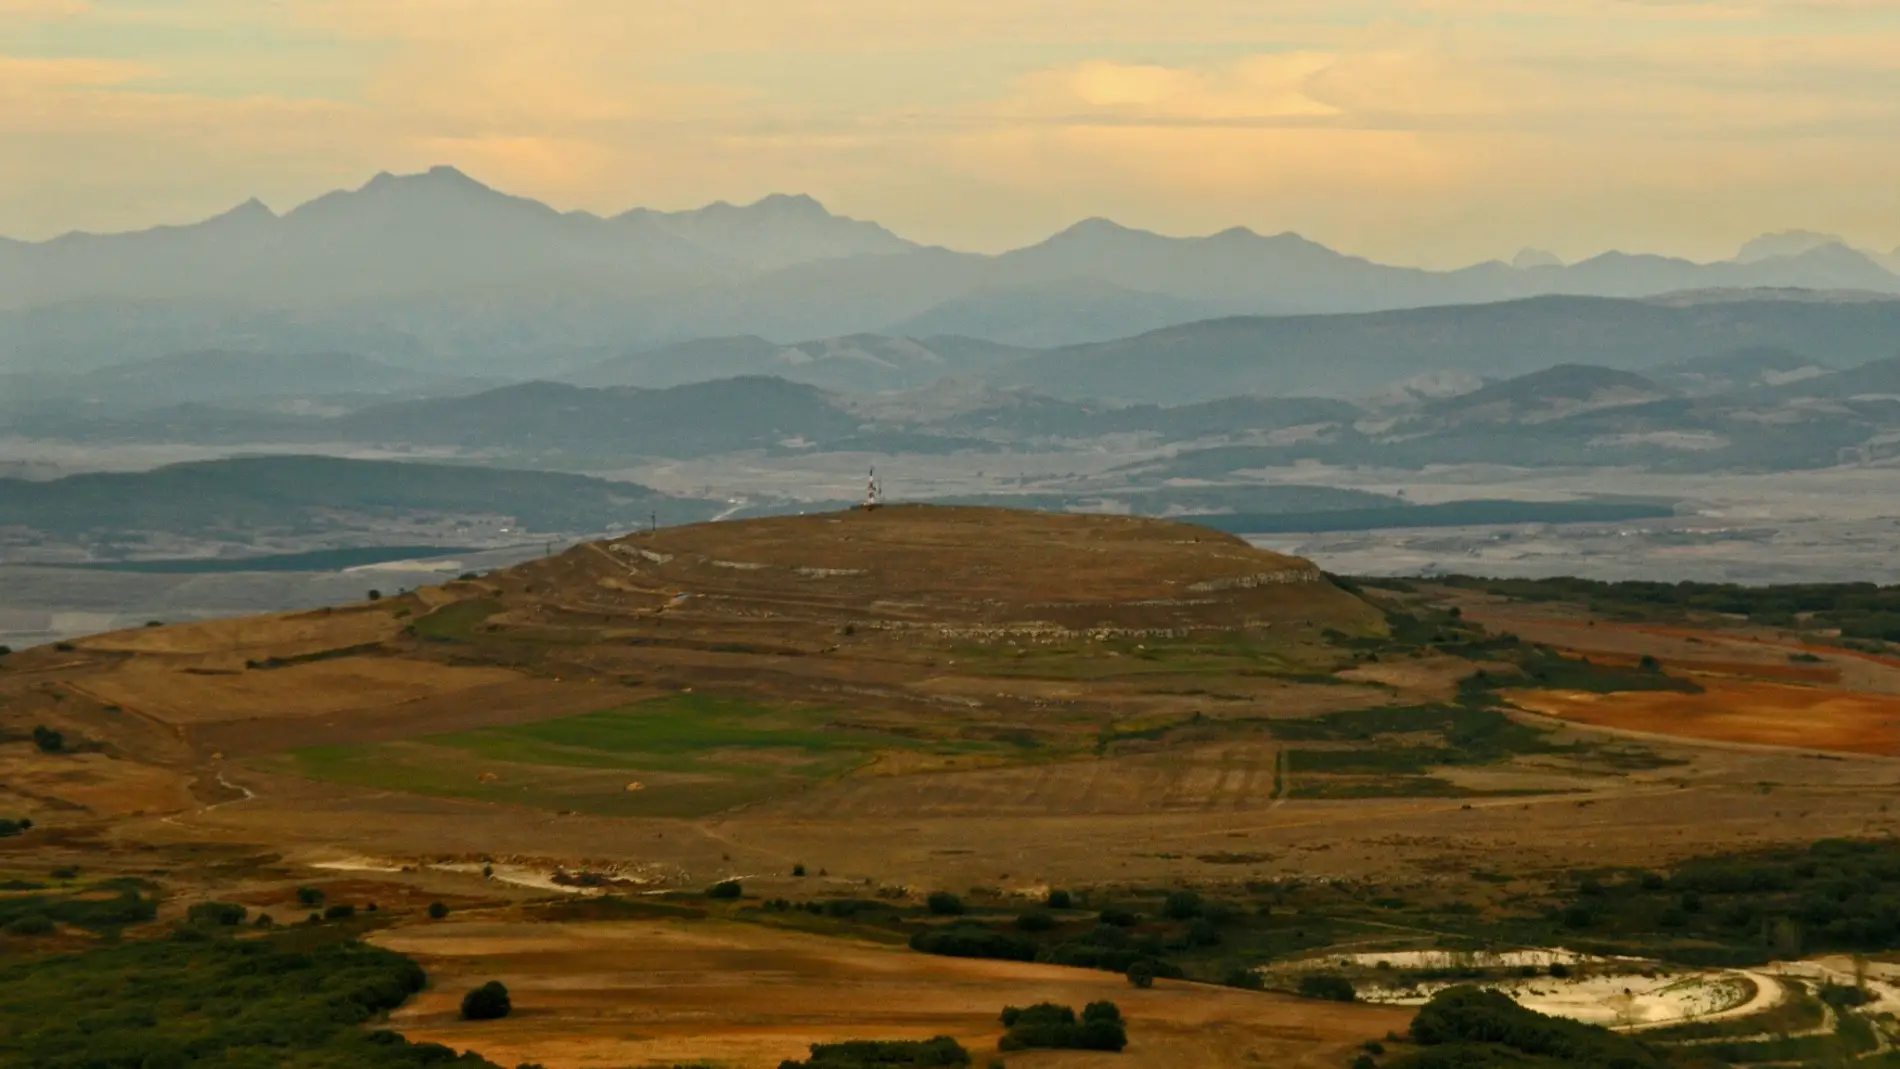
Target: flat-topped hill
[(963, 572)]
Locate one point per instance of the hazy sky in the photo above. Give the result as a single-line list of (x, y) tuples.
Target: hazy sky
[(1422, 131)]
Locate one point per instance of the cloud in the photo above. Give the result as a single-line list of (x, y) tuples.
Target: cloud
[(43, 9), (22, 73)]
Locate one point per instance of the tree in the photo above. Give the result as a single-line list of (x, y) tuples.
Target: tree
[(1036, 920), (798, 869), (30, 924), (1142, 975), (339, 912), (726, 890), (375, 595), (1182, 905), (48, 740), (489, 1002), (1061, 900), (437, 911), (1243, 978), (1328, 986), (222, 914), (309, 897), (944, 904)]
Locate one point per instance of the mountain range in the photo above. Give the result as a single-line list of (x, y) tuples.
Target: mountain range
[(1757, 408), (1704, 343), (437, 271)]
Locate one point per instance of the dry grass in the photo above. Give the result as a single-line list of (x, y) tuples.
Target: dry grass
[(650, 993)]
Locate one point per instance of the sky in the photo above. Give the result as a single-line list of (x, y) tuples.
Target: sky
[(1432, 132)]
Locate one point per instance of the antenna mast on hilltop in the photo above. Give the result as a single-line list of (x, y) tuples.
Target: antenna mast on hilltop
[(873, 493)]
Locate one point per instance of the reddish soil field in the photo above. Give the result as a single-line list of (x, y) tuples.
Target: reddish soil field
[(1760, 713)]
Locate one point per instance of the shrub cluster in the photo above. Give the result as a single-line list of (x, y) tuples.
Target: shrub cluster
[(81, 910), (213, 1004), (217, 914), (1328, 986), (1837, 895), (1047, 1026), (974, 941), (1471, 1028), (489, 1002), (939, 1053)]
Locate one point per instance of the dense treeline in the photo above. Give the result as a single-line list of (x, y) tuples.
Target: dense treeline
[(295, 1000), (1471, 1028), (91, 910), (939, 1053), (1837, 895), (1857, 610), (1048, 1026)]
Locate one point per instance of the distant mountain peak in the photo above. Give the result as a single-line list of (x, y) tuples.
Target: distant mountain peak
[(1527, 259), (250, 210), (1097, 224), (441, 176), (1786, 243), (803, 203)]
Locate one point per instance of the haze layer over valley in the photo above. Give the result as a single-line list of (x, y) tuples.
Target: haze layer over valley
[(493, 377)]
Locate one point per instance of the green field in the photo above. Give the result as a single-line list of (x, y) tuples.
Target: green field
[(691, 755)]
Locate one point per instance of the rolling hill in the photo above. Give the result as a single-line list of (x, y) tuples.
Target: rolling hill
[(1348, 355), (224, 376), (855, 363), (257, 496)]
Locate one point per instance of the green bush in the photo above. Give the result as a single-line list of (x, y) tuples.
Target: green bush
[(1047, 1026), (973, 941), (48, 740), (1060, 900), (222, 914), (489, 1002), (726, 890), (309, 897), (279, 1000), (31, 924), (939, 1053), (437, 911), (1142, 975), (1475, 1028), (1182, 905), (81, 909), (944, 904), (10, 828), (339, 912), (1036, 920), (1328, 986), (1243, 978)]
